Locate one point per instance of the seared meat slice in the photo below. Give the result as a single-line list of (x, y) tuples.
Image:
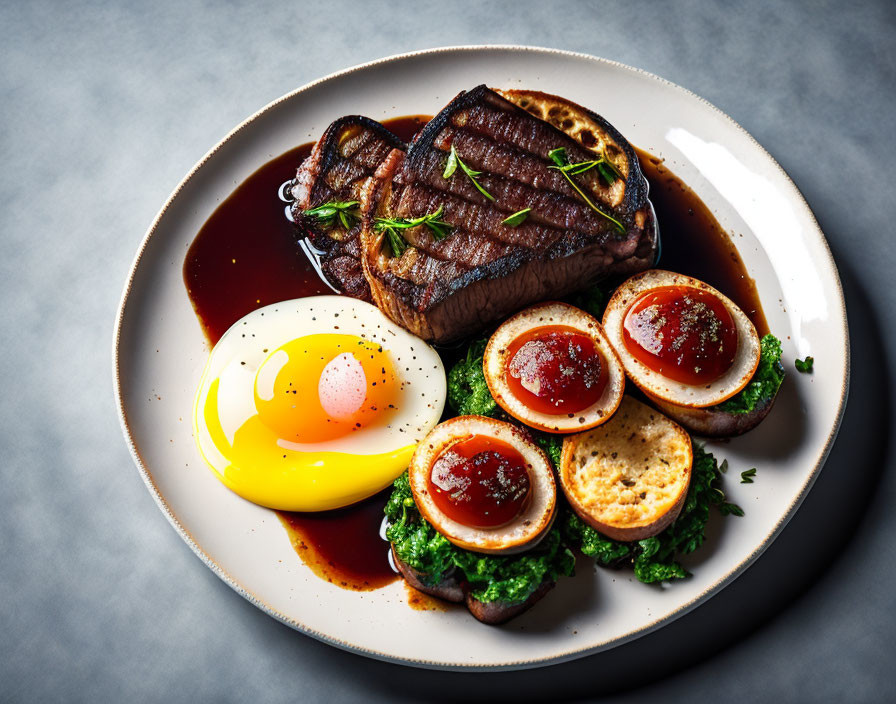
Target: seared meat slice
[(594, 224), (338, 169)]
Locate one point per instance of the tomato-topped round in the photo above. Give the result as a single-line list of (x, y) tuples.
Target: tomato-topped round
[(480, 482), (684, 333), (555, 369)]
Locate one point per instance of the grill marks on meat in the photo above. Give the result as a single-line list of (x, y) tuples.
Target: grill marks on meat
[(445, 290), (340, 168)]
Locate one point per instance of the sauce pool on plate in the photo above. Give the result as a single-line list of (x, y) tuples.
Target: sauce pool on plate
[(246, 256)]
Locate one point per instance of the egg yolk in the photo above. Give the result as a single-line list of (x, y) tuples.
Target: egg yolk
[(310, 390), (322, 387)]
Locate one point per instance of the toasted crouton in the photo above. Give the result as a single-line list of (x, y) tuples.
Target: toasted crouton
[(628, 478)]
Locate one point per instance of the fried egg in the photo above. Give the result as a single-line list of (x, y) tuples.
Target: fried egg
[(315, 403)]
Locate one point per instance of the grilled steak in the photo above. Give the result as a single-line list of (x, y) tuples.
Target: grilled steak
[(338, 169), (592, 224)]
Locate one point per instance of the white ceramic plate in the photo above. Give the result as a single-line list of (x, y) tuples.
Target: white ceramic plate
[(160, 352)]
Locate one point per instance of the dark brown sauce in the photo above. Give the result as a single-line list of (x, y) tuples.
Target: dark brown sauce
[(344, 546), (694, 243), (246, 257)]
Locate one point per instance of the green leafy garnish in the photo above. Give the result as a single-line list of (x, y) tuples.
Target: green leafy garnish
[(605, 167), (765, 382), (517, 218), (551, 444), (558, 156), (654, 559), (509, 579), (328, 213), (592, 300), (392, 227), (451, 166), (804, 366), (468, 393), (729, 509), (746, 477)]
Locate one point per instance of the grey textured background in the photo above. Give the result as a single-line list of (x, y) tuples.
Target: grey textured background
[(106, 106)]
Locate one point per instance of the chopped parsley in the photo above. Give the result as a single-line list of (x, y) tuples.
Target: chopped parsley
[(804, 366), (765, 382), (468, 393)]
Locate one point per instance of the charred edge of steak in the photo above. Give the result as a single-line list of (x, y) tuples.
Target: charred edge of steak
[(340, 250), (388, 291), (636, 185), (450, 589)]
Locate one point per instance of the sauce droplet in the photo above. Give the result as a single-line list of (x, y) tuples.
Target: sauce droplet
[(555, 369), (480, 482), (684, 333)]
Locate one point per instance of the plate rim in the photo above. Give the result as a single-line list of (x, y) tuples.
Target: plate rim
[(593, 648)]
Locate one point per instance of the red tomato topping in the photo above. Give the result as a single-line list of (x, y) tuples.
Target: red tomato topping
[(555, 369), (684, 333), (480, 482)]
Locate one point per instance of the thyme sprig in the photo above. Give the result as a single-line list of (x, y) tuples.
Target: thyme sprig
[(608, 170), (451, 166), (558, 156), (328, 213), (517, 218), (392, 227)]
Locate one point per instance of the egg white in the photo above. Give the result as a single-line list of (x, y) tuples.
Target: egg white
[(235, 359)]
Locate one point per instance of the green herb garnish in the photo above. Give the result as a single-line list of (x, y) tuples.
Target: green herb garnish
[(468, 393), (327, 213), (451, 166), (592, 300), (509, 579), (746, 477), (729, 509), (392, 227), (765, 382), (517, 218), (804, 366), (605, 167), (396, 242), (558, 156)]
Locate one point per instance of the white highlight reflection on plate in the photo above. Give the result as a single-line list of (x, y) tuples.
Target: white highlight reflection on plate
[(774, 224)]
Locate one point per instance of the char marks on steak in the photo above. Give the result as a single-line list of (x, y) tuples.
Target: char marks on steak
[(339, 168), (447, 289)]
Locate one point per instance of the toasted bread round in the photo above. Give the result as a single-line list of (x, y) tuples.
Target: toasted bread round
[(528, 528), (655, 384), (497, 358), (628, 478)]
